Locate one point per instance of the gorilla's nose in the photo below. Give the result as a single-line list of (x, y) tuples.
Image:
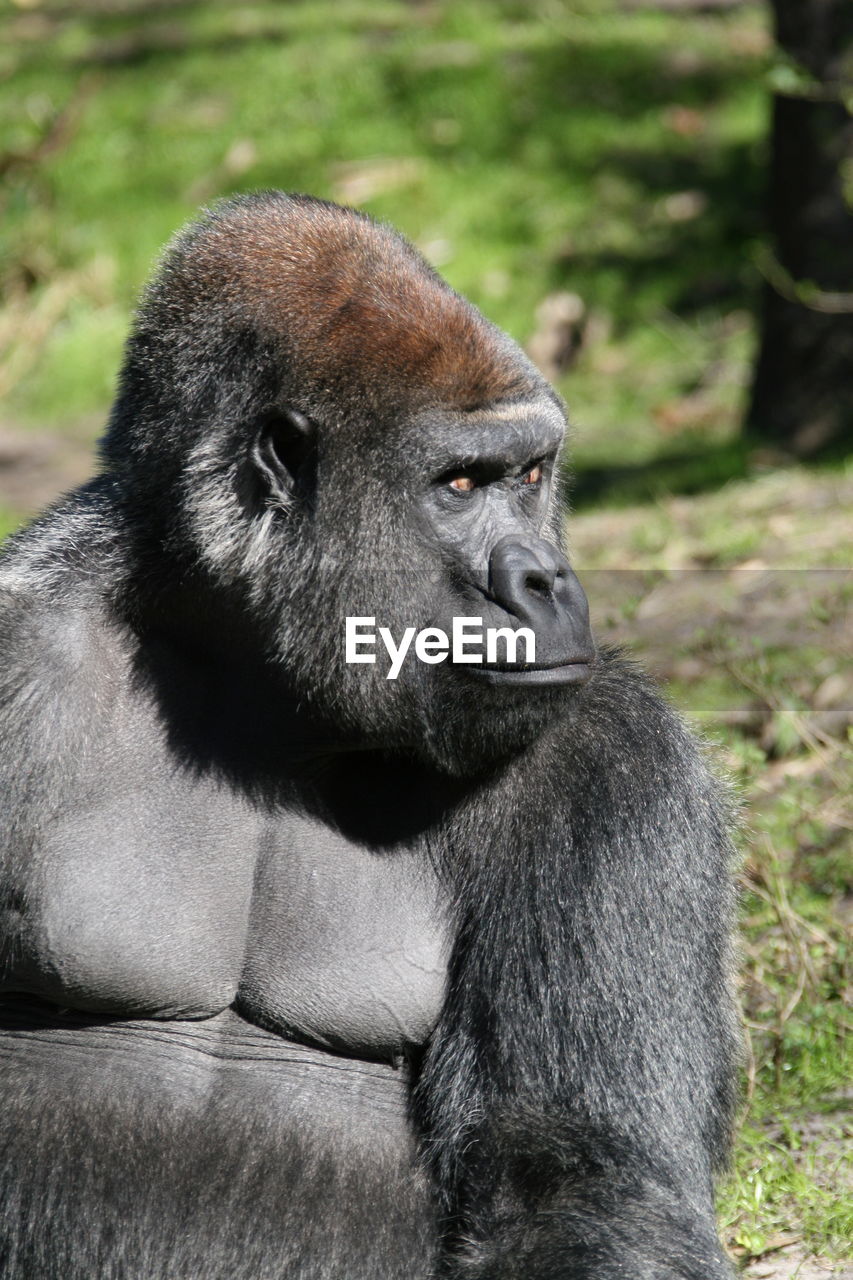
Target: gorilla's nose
[(524, 572), (533, 582)]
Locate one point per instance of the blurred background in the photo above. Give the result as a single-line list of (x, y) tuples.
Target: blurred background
[(655, 197)]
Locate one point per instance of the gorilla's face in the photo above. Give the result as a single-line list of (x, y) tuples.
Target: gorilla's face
[(328, 431), (453, 519)]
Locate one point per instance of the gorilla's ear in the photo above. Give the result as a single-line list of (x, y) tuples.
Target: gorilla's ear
[(283, 449)]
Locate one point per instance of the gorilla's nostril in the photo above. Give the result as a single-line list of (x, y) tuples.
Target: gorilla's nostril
[(539, 582)]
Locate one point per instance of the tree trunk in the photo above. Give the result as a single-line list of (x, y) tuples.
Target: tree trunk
[(802, 394)]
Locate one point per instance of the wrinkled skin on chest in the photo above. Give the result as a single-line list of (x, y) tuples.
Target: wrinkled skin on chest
[(162, 894)]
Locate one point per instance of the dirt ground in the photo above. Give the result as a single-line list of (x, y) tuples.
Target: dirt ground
[(36, 466), (792, 1264)]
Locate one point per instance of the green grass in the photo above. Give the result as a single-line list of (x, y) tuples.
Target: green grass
[(793, 1171), (739, 601), (528, 148)]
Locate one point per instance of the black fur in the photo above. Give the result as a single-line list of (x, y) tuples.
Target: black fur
[(308, 973)]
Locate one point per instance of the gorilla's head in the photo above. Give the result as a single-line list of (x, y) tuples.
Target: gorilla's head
[(312, 426)]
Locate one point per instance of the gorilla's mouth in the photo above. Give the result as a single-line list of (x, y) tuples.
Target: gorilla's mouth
[(576, 671)]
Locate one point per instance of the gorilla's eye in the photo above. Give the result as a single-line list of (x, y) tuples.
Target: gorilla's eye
[(534, 475), (463, 484)]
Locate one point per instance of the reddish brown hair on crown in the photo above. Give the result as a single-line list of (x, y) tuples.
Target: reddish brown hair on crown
[(349, 299)]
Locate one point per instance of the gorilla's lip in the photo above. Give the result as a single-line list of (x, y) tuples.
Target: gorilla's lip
[(577, 671)]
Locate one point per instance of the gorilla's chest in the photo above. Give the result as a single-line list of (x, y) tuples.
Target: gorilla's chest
[(171, 896), (346, 946)]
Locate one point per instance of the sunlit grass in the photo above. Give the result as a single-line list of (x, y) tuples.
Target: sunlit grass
[(528, 148), (522, 149)]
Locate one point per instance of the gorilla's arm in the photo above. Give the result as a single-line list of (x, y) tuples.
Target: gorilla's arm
[(578, 1090)]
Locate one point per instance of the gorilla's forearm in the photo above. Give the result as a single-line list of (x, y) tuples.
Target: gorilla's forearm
[(579, 1088), (599, 1225)]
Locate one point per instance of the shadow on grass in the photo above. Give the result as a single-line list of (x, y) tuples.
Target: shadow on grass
[(696, 471), (568, 107)]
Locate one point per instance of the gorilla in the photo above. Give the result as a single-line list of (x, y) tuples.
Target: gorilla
[(309, 973)]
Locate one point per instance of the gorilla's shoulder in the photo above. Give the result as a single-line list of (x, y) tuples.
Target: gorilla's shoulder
[(623, 730), (54, 577), (623, 699), (65, 556), (42, 639)]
